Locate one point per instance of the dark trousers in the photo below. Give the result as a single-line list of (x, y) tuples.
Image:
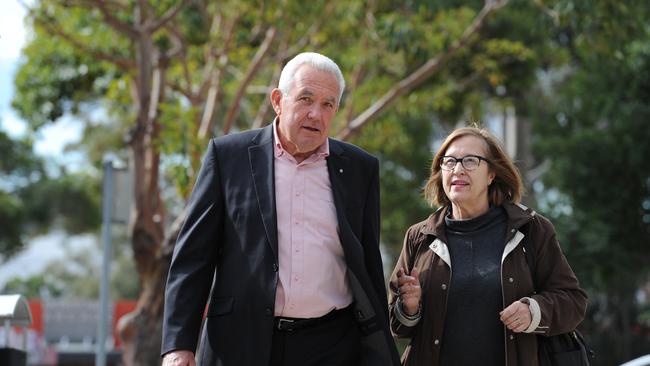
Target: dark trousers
[(335, 342)]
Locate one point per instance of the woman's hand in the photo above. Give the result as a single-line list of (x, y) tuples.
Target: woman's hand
[(516, 317), (408, 288)]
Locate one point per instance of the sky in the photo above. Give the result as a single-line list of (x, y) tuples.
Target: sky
[(49, 143), (51, 140)]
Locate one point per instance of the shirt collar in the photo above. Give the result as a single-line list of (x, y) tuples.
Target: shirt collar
[(323, 150)]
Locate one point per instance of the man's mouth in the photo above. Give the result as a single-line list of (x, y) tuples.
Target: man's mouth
[(312, 129)]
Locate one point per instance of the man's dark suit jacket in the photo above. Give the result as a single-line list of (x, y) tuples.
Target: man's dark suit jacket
[(227, 252)]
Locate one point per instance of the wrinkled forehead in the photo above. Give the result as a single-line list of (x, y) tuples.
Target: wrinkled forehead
[(316, 80)]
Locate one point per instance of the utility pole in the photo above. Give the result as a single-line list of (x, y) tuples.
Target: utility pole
[(107, 214)]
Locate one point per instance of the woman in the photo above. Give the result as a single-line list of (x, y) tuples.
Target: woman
[(462, 290)]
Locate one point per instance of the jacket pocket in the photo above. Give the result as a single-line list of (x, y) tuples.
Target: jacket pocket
[(220, 306)]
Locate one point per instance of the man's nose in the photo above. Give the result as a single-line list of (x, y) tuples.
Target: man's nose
[(315, 111)]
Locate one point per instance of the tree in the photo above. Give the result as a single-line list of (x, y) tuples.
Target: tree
[(592, 125), (17, 164), (171, 74), (32, 200)]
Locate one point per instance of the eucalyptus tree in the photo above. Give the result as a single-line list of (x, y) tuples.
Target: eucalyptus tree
[(165, 76)]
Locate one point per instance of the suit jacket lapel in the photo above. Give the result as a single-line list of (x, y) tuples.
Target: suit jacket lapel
[(260, 154), (337, 166)]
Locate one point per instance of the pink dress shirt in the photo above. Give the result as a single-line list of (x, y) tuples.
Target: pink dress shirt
[(313, 273)]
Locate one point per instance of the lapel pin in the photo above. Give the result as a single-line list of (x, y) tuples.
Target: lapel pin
[(340, 170)]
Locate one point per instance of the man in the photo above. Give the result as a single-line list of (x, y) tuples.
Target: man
[(282, 237)]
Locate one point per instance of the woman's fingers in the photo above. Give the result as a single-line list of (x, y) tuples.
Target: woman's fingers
[(415, 273), (516, 317), (412, 278)]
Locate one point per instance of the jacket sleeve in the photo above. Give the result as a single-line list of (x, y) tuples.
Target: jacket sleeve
[(194, 260), (405, 261), (561, 301)]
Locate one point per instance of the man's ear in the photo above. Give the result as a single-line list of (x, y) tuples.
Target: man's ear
[(276, 98)]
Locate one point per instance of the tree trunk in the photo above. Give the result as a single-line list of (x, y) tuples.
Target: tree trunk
[(141, 330)]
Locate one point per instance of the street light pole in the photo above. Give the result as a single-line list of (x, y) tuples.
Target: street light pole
[(107, 206)]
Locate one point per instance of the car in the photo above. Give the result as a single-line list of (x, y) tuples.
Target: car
[(639, 361)]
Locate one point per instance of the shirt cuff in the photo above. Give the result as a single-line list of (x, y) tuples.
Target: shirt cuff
[(535, 313), (408, 320)]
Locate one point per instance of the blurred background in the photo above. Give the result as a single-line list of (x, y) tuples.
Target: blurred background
[(135, 89)]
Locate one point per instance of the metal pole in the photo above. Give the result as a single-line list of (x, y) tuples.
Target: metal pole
[(107, 205), (7, 333)]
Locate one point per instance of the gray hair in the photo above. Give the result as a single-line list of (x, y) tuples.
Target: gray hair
[(317, 60)]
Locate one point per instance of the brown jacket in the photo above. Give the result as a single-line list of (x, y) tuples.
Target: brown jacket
[(562, 303)]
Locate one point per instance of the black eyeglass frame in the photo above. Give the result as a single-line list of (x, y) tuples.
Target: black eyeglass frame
[(456, 160)]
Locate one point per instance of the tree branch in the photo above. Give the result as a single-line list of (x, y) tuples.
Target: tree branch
[(358, 72), (421, 74), (154, 25), (260, 118), (179, 43), (306, 38), (92, 4), (117, 24), (210, 57), (253, 67), (214, 93), (51, 26)]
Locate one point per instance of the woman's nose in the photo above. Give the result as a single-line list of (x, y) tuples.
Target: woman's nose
[(458, 164)]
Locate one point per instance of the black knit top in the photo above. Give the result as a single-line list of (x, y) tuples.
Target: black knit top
[(473, 334)]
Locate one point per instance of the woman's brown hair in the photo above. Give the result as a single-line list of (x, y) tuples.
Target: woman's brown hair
[(507, 185)]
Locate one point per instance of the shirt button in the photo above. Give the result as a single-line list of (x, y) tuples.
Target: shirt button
[(512, 337), (444, 287), (436, 342), (297, 222), (297, 193), (511, 280), (275, 267), (268, 311), (513, 230)]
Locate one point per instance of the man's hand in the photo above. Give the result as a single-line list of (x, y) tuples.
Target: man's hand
[(408, 288), (179, 358), (516, 317)]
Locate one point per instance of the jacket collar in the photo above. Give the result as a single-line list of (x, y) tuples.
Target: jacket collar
[(264, 136), (518, 216)]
